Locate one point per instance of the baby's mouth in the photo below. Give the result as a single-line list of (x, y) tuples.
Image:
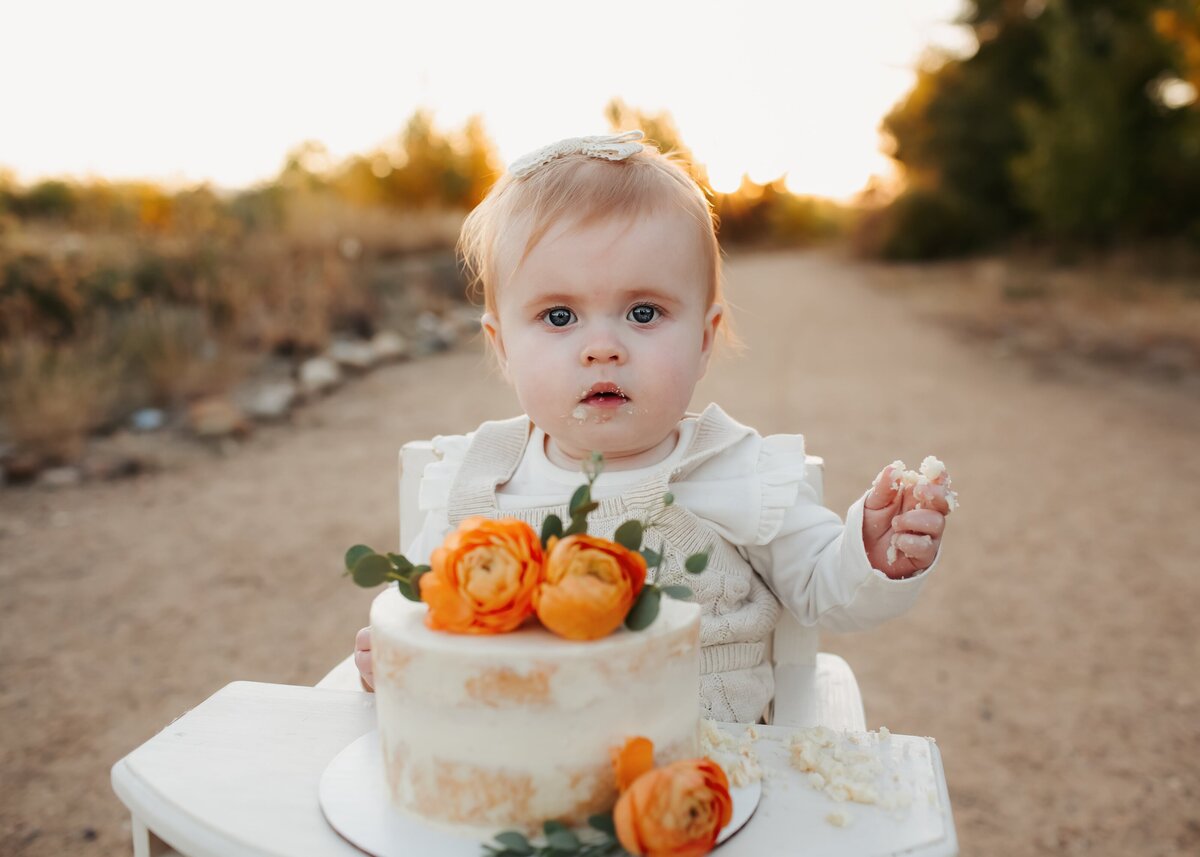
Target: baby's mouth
[(604, 395)]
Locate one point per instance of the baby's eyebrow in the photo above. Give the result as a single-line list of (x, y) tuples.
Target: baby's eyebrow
[(551, 298), (649, 293)]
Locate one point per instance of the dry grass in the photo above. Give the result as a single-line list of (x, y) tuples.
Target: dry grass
[(52, 396), (326, 221), (170, 355), (95, 324)]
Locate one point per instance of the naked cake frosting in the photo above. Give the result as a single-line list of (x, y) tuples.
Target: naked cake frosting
[(483, 732)]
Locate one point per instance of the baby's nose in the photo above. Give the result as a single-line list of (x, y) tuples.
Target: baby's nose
[(602, 349)]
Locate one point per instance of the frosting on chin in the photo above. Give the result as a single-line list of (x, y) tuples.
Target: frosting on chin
[(483, 733)]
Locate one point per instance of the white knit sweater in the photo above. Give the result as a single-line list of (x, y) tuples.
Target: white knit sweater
[(738, 494)]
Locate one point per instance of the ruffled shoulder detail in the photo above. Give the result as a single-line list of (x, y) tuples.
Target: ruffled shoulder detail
[(781, 473), (745, 490), (438, 476)]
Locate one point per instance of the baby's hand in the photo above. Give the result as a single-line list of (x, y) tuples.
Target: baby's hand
[(362, 658), (905, 517)]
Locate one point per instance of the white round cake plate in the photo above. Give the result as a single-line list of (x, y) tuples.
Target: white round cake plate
[(353, 796)]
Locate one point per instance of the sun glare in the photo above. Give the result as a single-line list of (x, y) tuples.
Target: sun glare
[(794, 90)]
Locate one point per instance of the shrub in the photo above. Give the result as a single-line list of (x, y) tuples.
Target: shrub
[(52, 396)]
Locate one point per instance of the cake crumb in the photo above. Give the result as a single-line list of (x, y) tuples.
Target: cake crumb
[(839, 818)]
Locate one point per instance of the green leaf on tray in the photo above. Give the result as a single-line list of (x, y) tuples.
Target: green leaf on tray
[(652, 558), (578, 525), (371, 570), (629, 535), (645, 610), (696, 563), (514, 842), (603, 822), (355, 554), (668, 499), (563, 840)]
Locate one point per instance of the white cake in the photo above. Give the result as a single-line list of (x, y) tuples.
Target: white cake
[(483, 733)]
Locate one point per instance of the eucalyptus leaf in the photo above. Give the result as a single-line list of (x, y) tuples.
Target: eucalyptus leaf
[(371, 570), (652, 559), (408, 590), (355, 554), (514, 842), (414, 580), (645, 610), (668, 499), (629, 535), (582, 495), (563, 840), (578, 525), (679, 591), (696, 563), (603, 822), (552, 527), (401, 562)]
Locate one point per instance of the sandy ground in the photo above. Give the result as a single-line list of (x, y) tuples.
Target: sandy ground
[(1054, 658)]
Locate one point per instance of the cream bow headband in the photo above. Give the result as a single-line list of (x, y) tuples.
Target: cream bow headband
[(611, 147)]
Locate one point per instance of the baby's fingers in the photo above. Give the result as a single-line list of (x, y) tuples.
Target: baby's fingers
[(362, 640), (921, 522), (920, 549), (934, 496), (885, 487), (362, 660)]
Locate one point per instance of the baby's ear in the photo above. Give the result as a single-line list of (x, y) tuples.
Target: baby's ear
[(712, 323), (491, 329)]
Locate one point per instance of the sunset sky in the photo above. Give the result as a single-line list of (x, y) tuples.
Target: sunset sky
[(219, 91)]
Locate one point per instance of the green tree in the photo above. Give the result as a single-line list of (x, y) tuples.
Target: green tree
[(1059, 125), (1086, 173)]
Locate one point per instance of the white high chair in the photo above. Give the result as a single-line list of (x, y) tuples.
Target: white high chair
[(811, 688)]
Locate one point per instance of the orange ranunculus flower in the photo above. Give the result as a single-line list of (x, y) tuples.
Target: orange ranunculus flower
[(588, 587), (676, 811), (632, 760), (482, 578)]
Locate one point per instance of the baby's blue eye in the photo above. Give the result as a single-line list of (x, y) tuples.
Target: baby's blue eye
[(559, 317), (643, 313)]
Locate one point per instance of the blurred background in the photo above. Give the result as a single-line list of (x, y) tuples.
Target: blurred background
[(186, 196), (213, 217)]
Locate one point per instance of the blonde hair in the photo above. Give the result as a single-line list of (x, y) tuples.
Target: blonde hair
[(584, 189)]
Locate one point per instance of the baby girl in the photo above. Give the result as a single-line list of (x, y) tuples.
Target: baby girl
[(601, 278)]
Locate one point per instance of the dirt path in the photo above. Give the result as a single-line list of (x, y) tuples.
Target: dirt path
[(1055, 659)]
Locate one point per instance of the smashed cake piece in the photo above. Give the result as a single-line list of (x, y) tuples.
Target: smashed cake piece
[(932, 472), (736, 756), (836, 765), (854, 767)]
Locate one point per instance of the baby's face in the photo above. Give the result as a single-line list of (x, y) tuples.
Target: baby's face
[(604, 332)]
